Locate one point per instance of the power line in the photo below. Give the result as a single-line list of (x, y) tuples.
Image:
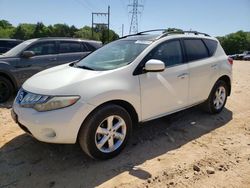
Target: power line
[(85, 5), (134, 19)]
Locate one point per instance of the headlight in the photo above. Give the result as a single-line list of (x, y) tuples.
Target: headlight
[(43, 103), (56, 103)]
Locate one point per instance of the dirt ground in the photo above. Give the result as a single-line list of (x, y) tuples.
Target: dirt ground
[(186, 149)]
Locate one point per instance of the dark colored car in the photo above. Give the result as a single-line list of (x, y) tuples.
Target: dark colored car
[(35, 55), (7, 44)]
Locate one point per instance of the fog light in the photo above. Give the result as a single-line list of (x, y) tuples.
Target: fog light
[(49, 133)]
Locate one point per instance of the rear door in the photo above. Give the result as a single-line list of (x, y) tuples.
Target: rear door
[(203, 69), (71, 51)]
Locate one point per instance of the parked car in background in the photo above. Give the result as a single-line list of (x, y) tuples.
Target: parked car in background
[(241, 56), (98, 100), (35, 55), (7, 44), (246, 57)]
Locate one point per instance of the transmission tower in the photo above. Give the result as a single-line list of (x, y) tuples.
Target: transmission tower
[(134, 19)]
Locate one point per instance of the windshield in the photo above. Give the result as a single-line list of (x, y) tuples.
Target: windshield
[(17, 49), (113, 55)]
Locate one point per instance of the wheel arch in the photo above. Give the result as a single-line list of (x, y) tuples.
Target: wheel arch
[(227, 80), (126, 105)]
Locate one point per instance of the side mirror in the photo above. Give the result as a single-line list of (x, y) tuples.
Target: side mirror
[(28, 54), (154, 65)]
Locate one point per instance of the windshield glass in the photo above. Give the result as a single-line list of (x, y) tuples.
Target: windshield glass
[(17, 49), (113, 55)]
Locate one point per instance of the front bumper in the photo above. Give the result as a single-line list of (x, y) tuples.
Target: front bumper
[(57, 126)]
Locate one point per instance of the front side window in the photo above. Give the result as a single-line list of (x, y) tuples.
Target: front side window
[(195, 49), (70, 47), (114, 55), (44, 48), (169, 52)]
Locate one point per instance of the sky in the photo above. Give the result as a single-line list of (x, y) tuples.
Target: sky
[(215, 17)]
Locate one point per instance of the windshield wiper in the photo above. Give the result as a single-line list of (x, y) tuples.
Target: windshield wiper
[(74, 64), (84, 67)]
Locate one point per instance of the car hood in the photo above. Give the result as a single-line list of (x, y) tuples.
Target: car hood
[(59, 80)]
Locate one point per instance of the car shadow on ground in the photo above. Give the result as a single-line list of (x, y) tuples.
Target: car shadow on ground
[(25, 162)]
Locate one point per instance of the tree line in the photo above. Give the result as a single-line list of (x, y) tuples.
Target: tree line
[(235, 43), (26, 31)]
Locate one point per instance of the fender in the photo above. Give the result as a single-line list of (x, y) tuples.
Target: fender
[(132, 98), (5, 68)]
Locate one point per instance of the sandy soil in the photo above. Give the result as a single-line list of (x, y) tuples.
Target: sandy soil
[(186, 149)]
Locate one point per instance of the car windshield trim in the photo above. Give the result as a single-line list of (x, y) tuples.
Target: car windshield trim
[(114, 55)]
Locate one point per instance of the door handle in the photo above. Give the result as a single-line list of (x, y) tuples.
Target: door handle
[(214, 66), (183, 75)]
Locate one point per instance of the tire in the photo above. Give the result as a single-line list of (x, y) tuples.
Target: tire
[(213, 105), (95, 129), (6, 89)]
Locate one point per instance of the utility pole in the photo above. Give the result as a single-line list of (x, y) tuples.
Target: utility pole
[(134, 19), (106, 24)]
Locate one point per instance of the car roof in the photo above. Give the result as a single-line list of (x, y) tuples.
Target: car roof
[(174, 34)]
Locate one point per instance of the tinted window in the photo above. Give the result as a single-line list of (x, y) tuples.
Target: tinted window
[(211, 45), (11, 44), (195, 49), (44, 48), (3, 43), (70, 47), (90, 47), (170, 53)]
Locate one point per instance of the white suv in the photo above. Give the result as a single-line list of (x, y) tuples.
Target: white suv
[(97, 100)]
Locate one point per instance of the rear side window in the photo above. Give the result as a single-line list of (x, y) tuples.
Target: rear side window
[(211, 45), (11, 44), (70, 47), (195, 49), (169, 52), (3, 43)]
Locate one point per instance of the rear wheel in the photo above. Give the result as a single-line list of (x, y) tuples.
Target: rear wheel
[(6, 89), (105, 132), (217, 98)]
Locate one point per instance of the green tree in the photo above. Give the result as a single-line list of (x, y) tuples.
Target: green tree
[(235, 43), (4, 24), (6, 29), (40, 30), (61, 30), (24, 31)]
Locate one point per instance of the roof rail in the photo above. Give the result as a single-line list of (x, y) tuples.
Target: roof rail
[(182, 32), (166, 33), (143, 32)]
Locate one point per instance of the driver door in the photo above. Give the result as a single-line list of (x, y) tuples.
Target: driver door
[(45, 57), (167, 91)]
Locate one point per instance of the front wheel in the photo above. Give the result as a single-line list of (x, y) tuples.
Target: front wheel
[(6, 89), (105, 132), (217, 98)]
